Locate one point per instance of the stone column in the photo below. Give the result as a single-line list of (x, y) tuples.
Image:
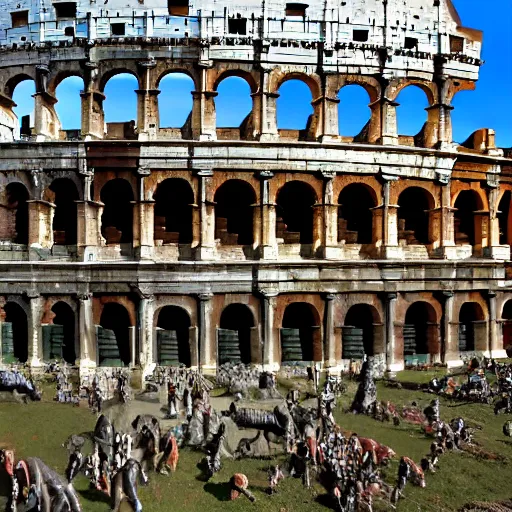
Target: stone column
[(443, 114), (93, 117), (330, 340), (148, 121), (445, 213), (389, 134), (206, 247), (87, 332), (268, 247), (495, 339), (207, 342), (450, 352), (270, 341), (207, 120), (373, 134), (35, 348), (88, 229), (146, 330), (143, 219), (392, 362), (330, 126), (40, 222), (495, 250)]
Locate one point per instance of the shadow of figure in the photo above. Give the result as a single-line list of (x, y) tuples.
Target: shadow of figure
[(221, 491), (94, 495)]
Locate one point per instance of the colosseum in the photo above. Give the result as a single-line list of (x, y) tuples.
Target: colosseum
[(134, 244)]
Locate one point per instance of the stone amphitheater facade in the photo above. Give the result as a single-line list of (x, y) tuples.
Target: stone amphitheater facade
[(139, 245)]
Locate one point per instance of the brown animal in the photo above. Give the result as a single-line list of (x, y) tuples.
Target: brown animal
[(382, 453), (417, 475)]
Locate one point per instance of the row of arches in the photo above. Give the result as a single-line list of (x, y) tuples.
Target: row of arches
[(237, 334), (234, 202), (233, 103)]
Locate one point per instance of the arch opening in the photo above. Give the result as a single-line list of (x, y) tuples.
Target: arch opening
[(235, 339), (353, 111), (358, 333), (294, 223), (410, 115), (233, 105), (14, 334), (294, 109), (471, 321), (413, 216), (420, 331), (504, 218), (120, 107), (117, 217), (175, 100), (507, 327), (23, 95), (466, 205), (69, 106), (114, 336), (65, 216), (61, 342), (173, 337), (300, 334), (15, 226), (173, 211), (355, 217), (234, 213)]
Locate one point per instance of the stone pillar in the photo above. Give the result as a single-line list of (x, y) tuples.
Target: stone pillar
[(93, 117), (148, 121), (332, 249), (204, 121), (207, 342), (373, 134), (390, 249), (88, 229), (329, 125), (87, 332), (330, 339), (46, 121), (268, 247), (389, 133), (495, 334), (143, 219), (482, 229), (269, 130), (40, 223), (270, 340), (495, 250), (206, 247), (393, 364), (146, 331), (443, 114), (450, 349), (35, 348)]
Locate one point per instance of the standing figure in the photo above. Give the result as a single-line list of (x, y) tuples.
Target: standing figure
[(172, 411)]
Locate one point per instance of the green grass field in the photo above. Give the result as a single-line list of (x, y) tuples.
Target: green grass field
[(39, 430)]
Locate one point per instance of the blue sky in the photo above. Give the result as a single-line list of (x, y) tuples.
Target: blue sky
[(489, 106)]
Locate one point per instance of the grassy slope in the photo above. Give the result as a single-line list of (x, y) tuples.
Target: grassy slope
[(39, 429)]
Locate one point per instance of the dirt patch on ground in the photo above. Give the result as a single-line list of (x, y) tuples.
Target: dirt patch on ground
[(491, 506)]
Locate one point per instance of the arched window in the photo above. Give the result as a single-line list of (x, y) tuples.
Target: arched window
[(294, 212), (175, 100), (294, 105), (234, 336), (410, 114), (300, 334), (69, 105), (120, 106), (17, 197), (413, 216), (355, 217), (504, 218), (23, 96), (466, 205), (65, 214), (61, 342), (234, 213), (233, 103), (471, 317), (117, 218), (173, 337), (114, 336), (353, 110), (14, 334), (173, 211), (358, 332)]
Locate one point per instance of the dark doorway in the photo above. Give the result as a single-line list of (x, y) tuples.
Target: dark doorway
[(65, 215), (15, 334), (464, 218), (173, 337), (413, 216), (300, 333), (236, 323), (358, 333), (117, 218), (114, 339), (17, 197), (355, 215), (65, 319)]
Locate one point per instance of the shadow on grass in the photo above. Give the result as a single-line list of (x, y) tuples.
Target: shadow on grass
[(94, 495), (220, 490), (325, 500)]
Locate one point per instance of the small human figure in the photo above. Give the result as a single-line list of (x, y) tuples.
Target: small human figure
[(172, 412), (275, 475)]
